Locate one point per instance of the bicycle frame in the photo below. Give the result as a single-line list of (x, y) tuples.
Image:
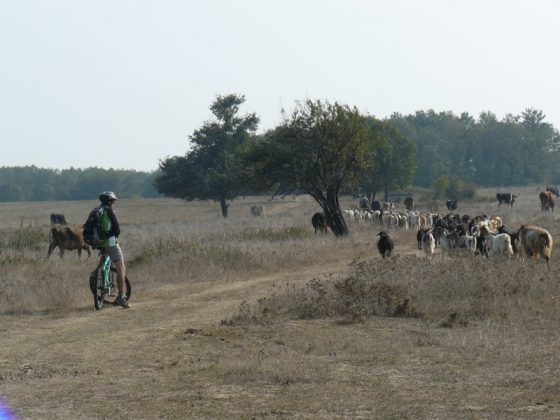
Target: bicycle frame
[(105, 266), (103, 281)]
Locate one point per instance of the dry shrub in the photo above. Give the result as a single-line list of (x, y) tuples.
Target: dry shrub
[(33, 285), (449, 291), (23, 238), (157, 254)]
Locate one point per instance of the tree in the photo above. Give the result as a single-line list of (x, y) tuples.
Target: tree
[(392, 162), (212, 170), (318, 150)]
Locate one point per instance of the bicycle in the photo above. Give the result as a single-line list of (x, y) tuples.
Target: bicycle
[(103, 282)]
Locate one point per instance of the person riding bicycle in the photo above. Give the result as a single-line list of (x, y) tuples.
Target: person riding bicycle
[(110, 245)]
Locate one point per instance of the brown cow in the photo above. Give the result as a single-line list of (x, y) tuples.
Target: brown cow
[(67, 238), (547, 202)]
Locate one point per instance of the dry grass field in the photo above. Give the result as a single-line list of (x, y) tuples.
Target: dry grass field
[(261, 318)]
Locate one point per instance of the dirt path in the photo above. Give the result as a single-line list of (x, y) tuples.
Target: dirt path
[(52, 365)]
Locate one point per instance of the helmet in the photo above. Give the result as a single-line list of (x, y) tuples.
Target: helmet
[(106, 196)]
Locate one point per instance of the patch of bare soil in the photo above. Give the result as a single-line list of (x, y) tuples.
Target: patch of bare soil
[(146, 362), (169, 357)]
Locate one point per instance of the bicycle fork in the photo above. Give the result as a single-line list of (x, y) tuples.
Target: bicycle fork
[(105, 270)]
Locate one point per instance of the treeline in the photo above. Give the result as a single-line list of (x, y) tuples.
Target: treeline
[(30, 183), (516, 150)]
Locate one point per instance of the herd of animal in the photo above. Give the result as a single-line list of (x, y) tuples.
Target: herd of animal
[(478, 236), (454, 233), (451, 232)]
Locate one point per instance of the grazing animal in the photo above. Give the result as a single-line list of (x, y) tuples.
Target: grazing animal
[(385, 244), (58, 219), (257, 210), (363, 203), (409, 203), (506, 198), (496, 243), (438, 232), (67, 239), (553, 190), (454, 241), (513, 236), (420, 235), (467, 243), (535, 242), (448, 242), (375, 206), (386, 206), (429, 244), (451, 205), (319, 222), (547, 202)]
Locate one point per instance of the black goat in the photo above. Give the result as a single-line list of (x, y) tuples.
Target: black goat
[(319, 222), (58, 219), (451, 205), (385, 244)]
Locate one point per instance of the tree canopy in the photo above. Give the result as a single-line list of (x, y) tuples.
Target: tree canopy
[(30, 183), (212, 169), (392, 160), (318, 150), (516, 150)]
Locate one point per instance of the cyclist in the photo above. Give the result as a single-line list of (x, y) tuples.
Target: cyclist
[(110, 245)]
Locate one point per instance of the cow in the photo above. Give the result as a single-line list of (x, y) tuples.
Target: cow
[(409, 203), (547, 202), (257, 210), (553, 190), (319, 222), (451, 205), (67, 239), (385, 244), (58, 219), (506, 198), (535, 242)]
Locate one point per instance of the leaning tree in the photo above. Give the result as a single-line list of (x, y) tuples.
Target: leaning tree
[(317, 150), (211, 170)]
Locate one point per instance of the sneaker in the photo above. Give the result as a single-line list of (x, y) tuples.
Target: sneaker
[(119, 301)]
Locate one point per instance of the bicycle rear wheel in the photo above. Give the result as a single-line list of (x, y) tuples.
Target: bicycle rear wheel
[(96, 286), (113, 283)]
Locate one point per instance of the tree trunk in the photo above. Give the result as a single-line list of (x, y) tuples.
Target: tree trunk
[(333, 214), (386, 192), (370, 194), (225, 205)]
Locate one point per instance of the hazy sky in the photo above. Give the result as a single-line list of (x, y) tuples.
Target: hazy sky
[(123, 84)]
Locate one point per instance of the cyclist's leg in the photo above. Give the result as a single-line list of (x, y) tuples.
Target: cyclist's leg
[(121, 273), (116, 255)]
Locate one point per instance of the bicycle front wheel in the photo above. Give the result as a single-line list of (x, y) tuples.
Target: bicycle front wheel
[(97, 288)]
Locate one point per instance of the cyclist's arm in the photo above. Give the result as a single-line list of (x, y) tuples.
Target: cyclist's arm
[(115, 228)]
